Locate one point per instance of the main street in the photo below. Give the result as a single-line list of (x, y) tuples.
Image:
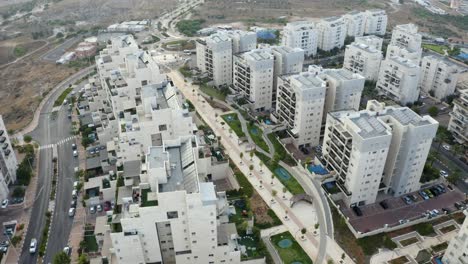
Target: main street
[(51, 128)]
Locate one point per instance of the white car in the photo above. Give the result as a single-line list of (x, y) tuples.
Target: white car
[(443, 173), (71, 212), (75, 153), (67, 250), (446, 147), (33, 246), (5, 203)]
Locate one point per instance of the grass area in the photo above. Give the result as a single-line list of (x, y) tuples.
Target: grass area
[(19, 51), (179, 45), (212, 91), (186, 72), (144, 199), (281, 151), (292, 254), (256, 134), (246, 188), (371, 244), (409, 241), (190, 27), (62, 97), (439, 247), (447, 229), (151, 39), (436, 48), (233, 122), (90, 242), (291, 184), (399, 260), (424, 229)]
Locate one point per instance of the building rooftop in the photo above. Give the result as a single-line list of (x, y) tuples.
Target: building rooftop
[(258, 55), (308, 80), (342, 74), (369, 125), (217, 38), (404, 62), (286, 50), (406, 116), (132, 168), (365, 48), (410, 28)]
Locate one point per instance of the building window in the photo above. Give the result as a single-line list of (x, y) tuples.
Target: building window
[(172, 215), (162, 127)]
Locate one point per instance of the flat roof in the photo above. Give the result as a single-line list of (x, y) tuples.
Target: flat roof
[(308, 79), (342, 74), (369, 125), (132, 168), (258, 55)]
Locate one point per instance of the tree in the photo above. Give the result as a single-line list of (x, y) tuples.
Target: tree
[(251, 155), (241, 155), (454, 177), (59, 35), (442, 135), (433, 111), (82, 259), (284, 192), (251, 167), (272, 178), (308, 160), (18, 192), (23, 173), (261, 166), (62, 258), (27, 138)]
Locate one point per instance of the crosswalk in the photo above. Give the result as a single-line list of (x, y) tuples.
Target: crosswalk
[(63, 141)]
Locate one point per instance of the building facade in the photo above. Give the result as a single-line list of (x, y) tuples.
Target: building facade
[(376, 22), (371, 41), (458, 123), (301, 34), (331, 33), (438, 75), (406, 43), (8, 162), (363, 59), (356, 23), (457, 250), (398, 80), (242, 41), (214, 57)]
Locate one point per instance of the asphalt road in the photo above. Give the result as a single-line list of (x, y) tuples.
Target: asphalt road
[(57, 52), (51, 128)]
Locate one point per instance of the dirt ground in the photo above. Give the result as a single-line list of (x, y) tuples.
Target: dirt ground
[(7, 47), (260, 209)]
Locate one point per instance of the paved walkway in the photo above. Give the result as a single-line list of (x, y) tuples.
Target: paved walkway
[(302, 215)]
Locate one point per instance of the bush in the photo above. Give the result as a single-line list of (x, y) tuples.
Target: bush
[(15, 240), (189, 27), (27, 138), (371, 244), (424, 229), (18, 192), (433, 111)]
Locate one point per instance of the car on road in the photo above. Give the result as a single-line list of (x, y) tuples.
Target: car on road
[(99, 208), (33, 246), (407, 199), (75, 153), (67, 250), (92, 209), (74, 194), (5, 203), (71, 212), (73, 146), (424, 195), (446, 147), (443, 173), (73, 203)]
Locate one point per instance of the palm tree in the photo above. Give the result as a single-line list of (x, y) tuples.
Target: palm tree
[(251, 167), (230, 132), (241, 155), (284, 192), (273, 195), (261, 166), (251, 155), (261, 182), (272, 179), (303, 232)]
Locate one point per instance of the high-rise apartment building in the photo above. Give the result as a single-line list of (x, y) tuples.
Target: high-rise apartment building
[(331, 33), (301, 98), (356, 23), (376, 22), (214, 57), (398, 80), (242, 41), (405, 43), (253, 78), (439, 76), (371, 41), (458, 124), (8, 162), (380, 149), (457, 250), (363, 59), (301, 34)]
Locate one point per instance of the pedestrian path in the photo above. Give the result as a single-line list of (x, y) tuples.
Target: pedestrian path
[(61, 142)]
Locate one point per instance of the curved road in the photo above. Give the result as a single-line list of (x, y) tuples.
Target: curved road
[(51, 128)]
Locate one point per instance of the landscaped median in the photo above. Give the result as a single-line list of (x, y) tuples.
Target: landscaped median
[(256, 134), (281, 151), (62, 97), (232, 120), (289, 250)]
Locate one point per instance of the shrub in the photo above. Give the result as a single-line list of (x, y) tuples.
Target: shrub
[(27, 138)]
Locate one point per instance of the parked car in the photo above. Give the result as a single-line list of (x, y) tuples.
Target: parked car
[(75, 153), (424, 195), (71, 212), (446, 210), (406, 199), (74, 194), (73, 203), (413, 197), (357, 211), (73, 146), (99, 208), (403, 221), (107, 206), (5, 203), (434, 191), (446, 147), (33, 246), (459, 206), (435, 212), (384, 204), (429, 193), (92, 209), (67, 250), (441, 188), (443, 173)]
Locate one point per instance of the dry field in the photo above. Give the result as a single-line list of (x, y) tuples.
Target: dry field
[(7, 48)]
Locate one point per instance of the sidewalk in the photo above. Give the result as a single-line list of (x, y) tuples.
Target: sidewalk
[(300, 216)]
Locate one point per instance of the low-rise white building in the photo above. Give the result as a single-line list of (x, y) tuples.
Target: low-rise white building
[(398, 80), (371, 41), (301, 34), (356, 23), (8, 162), (363, 59), (458, 124), (458, 247), (438, 75), (214, 57), (376, 22), (380, 149), (301, 98), (253, 78), (405, 43), (331, 33)]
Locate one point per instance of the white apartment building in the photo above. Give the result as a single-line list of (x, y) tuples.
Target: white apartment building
[(376, 22), (438, 75), (301, 34), (371, 41), (458, 124), (457, 250), (363, 59), (356, 23), (8, 162), (242, 41), (253, 78), (380, 149), (331, 33), (214, 57), (406, 43), (398, 80), (301, 98)]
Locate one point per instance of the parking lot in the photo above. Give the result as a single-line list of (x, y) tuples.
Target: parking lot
[(374, 216)]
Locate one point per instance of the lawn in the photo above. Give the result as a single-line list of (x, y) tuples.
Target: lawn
[(291, 184), (447, 229), (281, 151), (439, 247), (409, 241), (144, 199), (212, 91), (291, 254), (256, 134), (233, 121), (436, 48), (62, 97), (90, 242)]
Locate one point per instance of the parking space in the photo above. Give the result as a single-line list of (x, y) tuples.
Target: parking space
[(374, 216)]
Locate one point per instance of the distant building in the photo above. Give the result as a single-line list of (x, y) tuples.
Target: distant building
[(458, 124), (356, 23), (363, 59), (376, 22), (457, 249), (301, 34), (129, 26), (398, 80), (371, 41), (214, 57), (8, 162), (406, 43), (438, 75), (242, 41), (85, 50), (331, 33)]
